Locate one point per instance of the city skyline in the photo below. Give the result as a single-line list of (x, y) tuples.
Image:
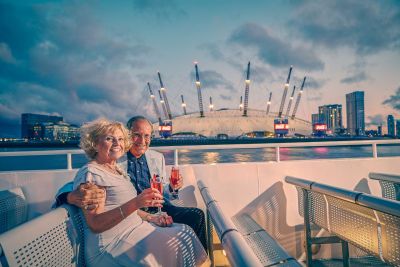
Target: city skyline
[(84, 60)]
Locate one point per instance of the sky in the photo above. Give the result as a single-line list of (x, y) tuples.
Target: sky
[(88, 59)]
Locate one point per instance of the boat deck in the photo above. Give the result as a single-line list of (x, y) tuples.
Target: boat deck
[(236, 187)]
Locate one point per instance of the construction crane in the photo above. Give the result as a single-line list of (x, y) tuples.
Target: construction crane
[(298, 99), (162, 102), (285, 93), (164, 94), (269, 102), (153, 99), (246, 92), (241, 103), (211, 105), (183, 106), (198, 86), (290, 101)]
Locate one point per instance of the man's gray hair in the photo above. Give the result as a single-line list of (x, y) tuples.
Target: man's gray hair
[(135, 119)]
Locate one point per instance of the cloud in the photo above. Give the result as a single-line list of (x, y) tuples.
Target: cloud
[(393, 100), (6, 54), (161, 9), (314, 98), (365, 26), (211, 79), (20, 27), (358, 77), (67, 63), (272, 50), (225, 97), (259, 74), (375, 120), (214, 51), (218, 54), (310, 83)]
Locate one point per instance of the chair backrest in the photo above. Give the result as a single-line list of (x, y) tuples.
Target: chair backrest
[(13, 208), (368, 222), (48, 240), (390, 184), (77, 218)]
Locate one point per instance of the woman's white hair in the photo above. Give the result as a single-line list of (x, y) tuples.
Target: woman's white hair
[(92, 131)]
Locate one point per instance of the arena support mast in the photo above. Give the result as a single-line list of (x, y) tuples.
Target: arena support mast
[(198, 86), (285, 93), (298, 99), (246, 91), (153, 99)]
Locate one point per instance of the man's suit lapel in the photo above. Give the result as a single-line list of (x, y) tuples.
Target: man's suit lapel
[(152, 163), (123, 163)]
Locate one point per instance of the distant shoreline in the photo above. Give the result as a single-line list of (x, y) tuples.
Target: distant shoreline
[(185, 142)]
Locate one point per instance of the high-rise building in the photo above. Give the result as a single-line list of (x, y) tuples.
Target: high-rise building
[(355, 113), (317, 118), (30, 124), (332, 116), (379, 130), (390, 125)]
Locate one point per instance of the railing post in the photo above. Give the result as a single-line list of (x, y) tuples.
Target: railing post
[(277, 154), (374, 150), (69, 161), (176, 158)]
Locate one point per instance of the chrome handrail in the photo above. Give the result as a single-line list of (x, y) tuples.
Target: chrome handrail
[(377, 203), (393, 178), (237, 250)]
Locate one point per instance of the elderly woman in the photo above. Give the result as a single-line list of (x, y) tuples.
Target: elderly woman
[(117, 233)]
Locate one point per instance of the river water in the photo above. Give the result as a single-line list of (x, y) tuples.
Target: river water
[(205, 156)]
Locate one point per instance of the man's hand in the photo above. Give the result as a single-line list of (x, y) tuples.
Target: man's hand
[(162, 220), (87, 196), (178, 185)]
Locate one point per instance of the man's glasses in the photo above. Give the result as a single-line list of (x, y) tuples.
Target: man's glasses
[(143, 136)]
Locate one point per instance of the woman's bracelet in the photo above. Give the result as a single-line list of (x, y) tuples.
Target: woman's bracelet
[(122, 213)]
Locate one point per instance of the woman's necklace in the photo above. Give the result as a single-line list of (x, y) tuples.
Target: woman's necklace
[(114, 169), (111, 168)]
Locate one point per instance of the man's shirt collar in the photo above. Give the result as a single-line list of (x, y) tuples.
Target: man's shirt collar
[(131, 157)]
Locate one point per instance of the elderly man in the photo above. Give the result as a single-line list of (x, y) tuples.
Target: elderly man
[(141, 164)]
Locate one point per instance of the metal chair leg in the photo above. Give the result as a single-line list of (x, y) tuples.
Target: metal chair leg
[(307, 229), (345, 252)]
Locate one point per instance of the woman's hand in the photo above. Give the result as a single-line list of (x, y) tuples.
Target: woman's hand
[(149, 197), (162, 220)]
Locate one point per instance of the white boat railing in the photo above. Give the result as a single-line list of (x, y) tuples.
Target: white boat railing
[(277, 146)]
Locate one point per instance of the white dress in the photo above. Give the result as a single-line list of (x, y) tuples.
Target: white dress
[(134, 242)]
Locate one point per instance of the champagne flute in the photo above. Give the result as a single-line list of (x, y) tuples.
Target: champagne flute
[(174, 179), (156, 183)]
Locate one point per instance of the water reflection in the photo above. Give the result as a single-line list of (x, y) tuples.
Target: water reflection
[(211, 157), (320, 150), (239, 157), (269, 154)]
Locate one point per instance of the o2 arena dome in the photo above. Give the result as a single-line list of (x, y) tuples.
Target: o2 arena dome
[(232, 123), (225, 123)]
